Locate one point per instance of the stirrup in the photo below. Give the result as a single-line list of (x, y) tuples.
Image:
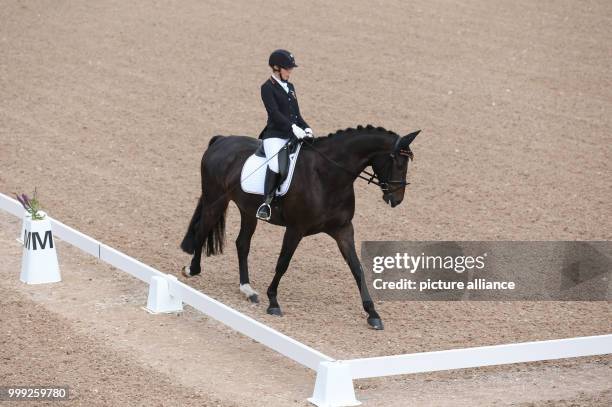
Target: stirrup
[(260, 212)]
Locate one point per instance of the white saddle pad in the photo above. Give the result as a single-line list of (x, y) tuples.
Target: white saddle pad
[(254, 174)]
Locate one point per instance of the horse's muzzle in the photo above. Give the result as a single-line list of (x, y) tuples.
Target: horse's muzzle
[(390, 199)]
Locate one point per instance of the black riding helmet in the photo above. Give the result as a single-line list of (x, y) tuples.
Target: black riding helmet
[(282, 58)]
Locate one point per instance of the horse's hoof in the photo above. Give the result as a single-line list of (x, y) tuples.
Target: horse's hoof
[(249, 293), (376, 323), (186, 271), (275, 311), (254, 299)]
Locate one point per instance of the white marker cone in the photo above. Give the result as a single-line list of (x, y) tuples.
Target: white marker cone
[(160, 300), (334, 386), (39, 260)]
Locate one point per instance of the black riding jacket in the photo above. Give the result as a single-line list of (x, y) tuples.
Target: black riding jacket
[(283, 110)]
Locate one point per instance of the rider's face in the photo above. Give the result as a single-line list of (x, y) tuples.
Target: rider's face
[(285, 73)]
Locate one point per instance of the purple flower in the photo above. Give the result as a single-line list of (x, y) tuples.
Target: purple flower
[(31, 205), (21, 201), (25, 201)]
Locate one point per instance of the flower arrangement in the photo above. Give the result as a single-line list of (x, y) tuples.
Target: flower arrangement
[(32, 206)]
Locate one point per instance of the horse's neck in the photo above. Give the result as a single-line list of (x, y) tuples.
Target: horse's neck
[(355, 151)]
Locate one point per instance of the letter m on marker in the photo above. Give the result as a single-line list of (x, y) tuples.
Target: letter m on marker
[(43, 243), (26, 239)]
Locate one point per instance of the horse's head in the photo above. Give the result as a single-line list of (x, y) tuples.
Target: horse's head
[(391, 168)]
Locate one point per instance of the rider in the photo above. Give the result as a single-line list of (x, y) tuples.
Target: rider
[(284, 120)]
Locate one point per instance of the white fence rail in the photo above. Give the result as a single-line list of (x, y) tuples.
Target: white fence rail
[(480, 356), (273, 339), (246, 325), (334, 384)]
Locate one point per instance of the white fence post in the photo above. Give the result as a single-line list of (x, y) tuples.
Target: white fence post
[(334, 386), (160, 300)]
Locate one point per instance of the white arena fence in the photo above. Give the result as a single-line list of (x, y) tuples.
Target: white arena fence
[(334, 381)]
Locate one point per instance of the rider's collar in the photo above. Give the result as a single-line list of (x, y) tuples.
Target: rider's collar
[(281, 82)]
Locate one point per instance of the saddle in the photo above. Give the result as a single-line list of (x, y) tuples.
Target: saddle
[(253, 172), (283, 157)]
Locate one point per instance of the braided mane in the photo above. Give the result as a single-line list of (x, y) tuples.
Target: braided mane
[(360, 128), (371, 129)]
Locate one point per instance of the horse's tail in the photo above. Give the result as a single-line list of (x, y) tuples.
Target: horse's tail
[(188, 243), (215, 238)]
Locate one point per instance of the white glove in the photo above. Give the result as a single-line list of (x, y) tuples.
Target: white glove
[(299, 133), (308, 132)]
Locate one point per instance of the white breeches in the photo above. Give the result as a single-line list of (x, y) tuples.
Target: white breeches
[(271, 147)]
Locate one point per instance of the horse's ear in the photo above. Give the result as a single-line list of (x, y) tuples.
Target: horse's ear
[(409, 138)]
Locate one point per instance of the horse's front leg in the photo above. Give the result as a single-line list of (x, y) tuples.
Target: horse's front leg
[(290, 242), (344, 237), (248, 224)]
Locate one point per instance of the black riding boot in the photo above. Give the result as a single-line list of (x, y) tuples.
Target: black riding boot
[(264, 212)]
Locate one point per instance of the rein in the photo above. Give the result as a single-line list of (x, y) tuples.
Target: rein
[(373, 177)]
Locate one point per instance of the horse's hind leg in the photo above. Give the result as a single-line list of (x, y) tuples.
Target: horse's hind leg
[(243, 245)]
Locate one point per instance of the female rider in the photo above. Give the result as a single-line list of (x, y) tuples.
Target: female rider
[(284, 121)]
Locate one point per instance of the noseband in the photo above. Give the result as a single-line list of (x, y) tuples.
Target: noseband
[(385, 184)]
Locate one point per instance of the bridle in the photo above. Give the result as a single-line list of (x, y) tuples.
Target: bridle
[(384, 184)]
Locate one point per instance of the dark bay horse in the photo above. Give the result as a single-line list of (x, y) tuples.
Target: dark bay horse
[(321, 199)]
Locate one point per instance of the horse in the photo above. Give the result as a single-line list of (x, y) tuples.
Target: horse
[(321, 199)]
